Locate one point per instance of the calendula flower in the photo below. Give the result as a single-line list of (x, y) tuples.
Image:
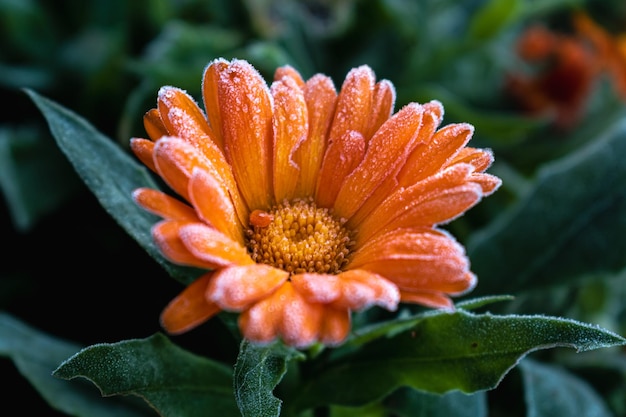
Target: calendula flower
[(562, 80), (305, 204), (610, 49)]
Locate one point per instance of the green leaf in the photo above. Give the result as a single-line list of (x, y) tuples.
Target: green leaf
[(569, 225), (36, 355), (407, 402), (444, 352), (257, 372), (110, 173), (173, 381), (552, 391), (35, 177)]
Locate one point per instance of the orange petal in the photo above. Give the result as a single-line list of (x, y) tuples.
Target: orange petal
[(246, 114), (154, 125), (211, 246), (144, 149), (182, 117), (335, 326), (443, 146), (213, 205), (189, 309), (417, 261), (386, 152), (342, 156), (422, 204), (320, 97), (480, 159), (317, 288), (163, 205), (175, 161), (362, 289), (488, 183), (211, 99), (166, 235), (237, 287), (428, 299), (382, 107), (354, 103), (284, 314), (290, 131), (289, 72)]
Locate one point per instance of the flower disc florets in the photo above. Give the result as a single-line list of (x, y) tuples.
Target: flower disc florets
[(299, 237)]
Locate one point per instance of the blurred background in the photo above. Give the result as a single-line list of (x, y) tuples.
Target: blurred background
[(539, 79)]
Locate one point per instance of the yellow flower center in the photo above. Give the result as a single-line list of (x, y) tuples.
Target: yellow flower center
[(299, 237)]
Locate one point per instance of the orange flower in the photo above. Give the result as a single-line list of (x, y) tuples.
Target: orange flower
[(563, 82), (610, 49), (305, 204)]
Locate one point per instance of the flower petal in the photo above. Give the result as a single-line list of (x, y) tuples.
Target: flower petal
[(182, 117), (354, 103), (442, 147), (154, 125), (428, 299), (289, 72), (383, 101), (318, 288), (212, 246), (213, 205), (335, 326), (189, 309), (321, 98), (291, 126), (246, 113), (211, 100), (362, 289), (341, 157), (436, 199), (163, 205), (235, 288), (418, 261), (284, 314), (166, 236), (144, 150), (386, 153)]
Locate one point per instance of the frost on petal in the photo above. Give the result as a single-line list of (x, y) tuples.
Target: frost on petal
[(342, 156), (318, 288), (362, 289), (438, 198), (210, 97), (235, 288), (163, 205), (354, 103), (284, 314), (154, 125), (213, 205), (320, 98), (246, 113), (442, 147), (383, 101), (182, 117), (386, 153), (166, 235), (335, 326), (287, 71), (291, 125), (212, 246), (175, 160), (144, 150), (189, 309)]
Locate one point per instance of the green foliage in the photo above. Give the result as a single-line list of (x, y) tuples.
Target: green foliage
[(548, 248)]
